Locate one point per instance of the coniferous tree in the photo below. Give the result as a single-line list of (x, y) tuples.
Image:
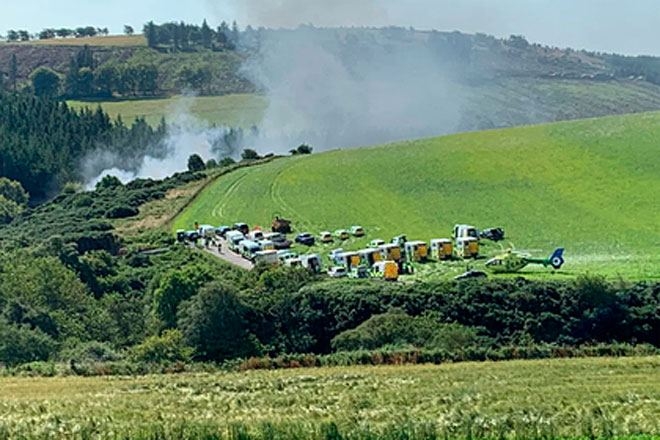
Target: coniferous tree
[(151, 34), (207, 35), (72, 79), (13, 72)]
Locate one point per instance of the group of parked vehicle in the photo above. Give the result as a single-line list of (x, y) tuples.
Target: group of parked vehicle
[(380, 259)]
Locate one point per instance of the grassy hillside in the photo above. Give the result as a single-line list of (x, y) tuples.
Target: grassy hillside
[(591, 186), (501, 103), (570, 398), (240, 110)]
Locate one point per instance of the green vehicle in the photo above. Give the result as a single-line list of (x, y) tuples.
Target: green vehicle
[(513, 261)]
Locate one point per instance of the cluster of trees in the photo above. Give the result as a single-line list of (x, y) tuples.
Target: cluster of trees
[(641, 66), (50, 33), (44, 141), (13, 199), (186, 37), (84, 79)]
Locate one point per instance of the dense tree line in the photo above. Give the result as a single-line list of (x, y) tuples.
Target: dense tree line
[(645, 67), (189, 37), (50, 33), (43, 142)]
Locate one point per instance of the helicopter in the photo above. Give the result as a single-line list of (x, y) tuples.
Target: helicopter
[(513, 261)]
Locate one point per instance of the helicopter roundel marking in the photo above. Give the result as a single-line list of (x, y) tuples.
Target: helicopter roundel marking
[(557, 262)]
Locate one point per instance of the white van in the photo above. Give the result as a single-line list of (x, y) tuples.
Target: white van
[(266, 257), (233, 240)]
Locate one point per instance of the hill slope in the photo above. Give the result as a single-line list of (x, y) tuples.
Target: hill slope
[(591, 186)]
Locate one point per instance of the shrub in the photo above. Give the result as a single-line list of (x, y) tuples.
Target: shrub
[(122, 212), (167, 348), (92, 351), (226, 161), (108, 182), (21, 344), (249, 154), (214, 322), (195, 163)]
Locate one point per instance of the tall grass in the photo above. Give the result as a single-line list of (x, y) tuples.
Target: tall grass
[(570, 398)]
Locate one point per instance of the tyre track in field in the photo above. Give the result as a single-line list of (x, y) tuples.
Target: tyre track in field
[(276, 195), (218, 210)]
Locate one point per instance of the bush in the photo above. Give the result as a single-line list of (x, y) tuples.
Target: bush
[(109, 182), (226, 161), (397, 329), (165, 349), (214, 322), (122, 212), (93, 351), (36, 369), (249, 154), (21, 344), (196, 163)]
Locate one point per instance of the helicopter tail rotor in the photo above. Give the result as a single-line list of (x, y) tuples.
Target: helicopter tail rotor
[(557, 258)]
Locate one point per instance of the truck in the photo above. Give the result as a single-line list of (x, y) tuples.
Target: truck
[(467, 247), (281, 225), (347, 259), (370, 256), (387, 270), (416, 251), (465, 231), (442, 249)]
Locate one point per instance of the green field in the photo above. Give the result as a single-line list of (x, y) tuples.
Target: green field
[(590, 186), (587, 398), (240, 110)]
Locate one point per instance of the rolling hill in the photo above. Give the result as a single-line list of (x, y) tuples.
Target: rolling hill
[(591, 186)]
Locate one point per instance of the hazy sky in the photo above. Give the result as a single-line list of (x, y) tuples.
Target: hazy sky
[(631, 27)]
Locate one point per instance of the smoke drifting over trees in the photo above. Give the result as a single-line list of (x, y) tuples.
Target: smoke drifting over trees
[(342, 87)]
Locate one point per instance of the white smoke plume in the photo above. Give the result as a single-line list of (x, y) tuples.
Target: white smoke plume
[(186, 135), (342, 87), (331, 88)]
